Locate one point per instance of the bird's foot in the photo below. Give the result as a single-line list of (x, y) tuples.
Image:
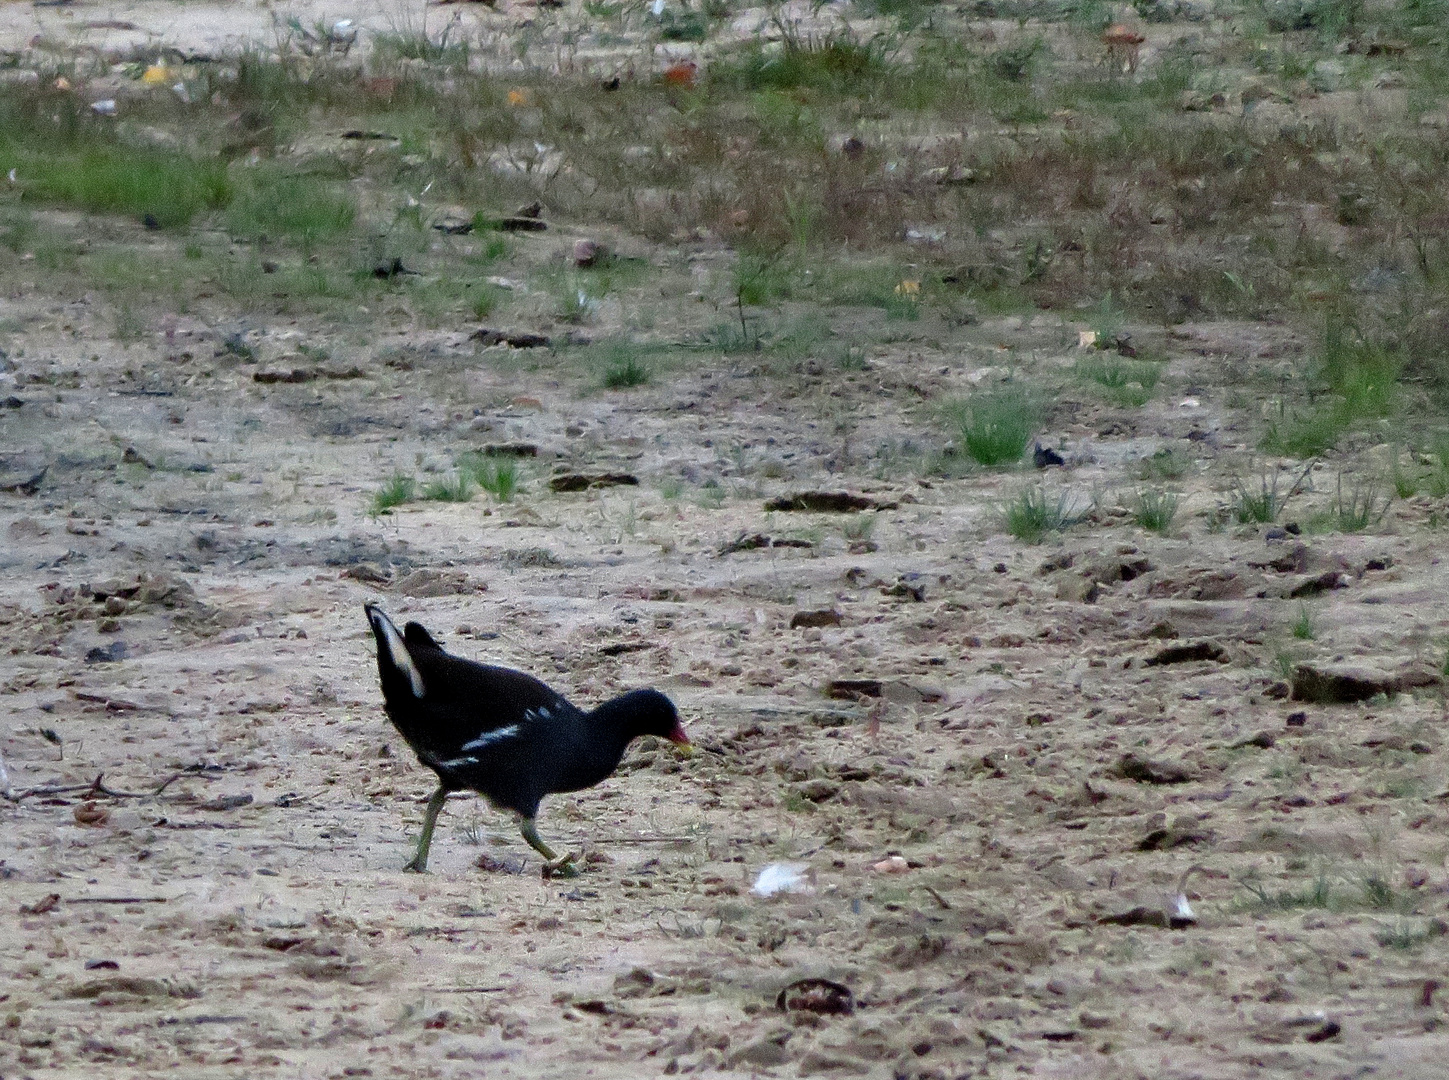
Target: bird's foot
[(562, 867)]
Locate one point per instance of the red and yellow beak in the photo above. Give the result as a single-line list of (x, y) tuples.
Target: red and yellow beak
[(680, 739)]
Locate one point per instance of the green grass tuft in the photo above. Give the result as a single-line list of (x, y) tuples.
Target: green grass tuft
[(396, 490), (838, 60), (168, 189), (458, 489), (1305, 627), (1167, 464), (1031, 514), (625, 373), (500, 477), (1128, 383), (993, 426), (1263, 505), (1359, 508), (1155, 509), (300, 209)]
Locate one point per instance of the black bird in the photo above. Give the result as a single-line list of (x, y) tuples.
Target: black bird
[(503, 733)]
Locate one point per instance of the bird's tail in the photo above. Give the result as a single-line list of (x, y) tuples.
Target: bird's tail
[(392, 651)]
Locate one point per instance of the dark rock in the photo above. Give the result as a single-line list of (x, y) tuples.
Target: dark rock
[(582, 482), (520, 224), (818, 790), (11, 402), (1329, 579), (1168, 838), (1163, 631), (1146, 916), (1179, 654), (285, 375), (750, 542), (764, 1052), (826, 502), (495, 864), (810, 619), (514, 339), (225, 802), (1044, 457), (1132, 569), (1143, 771), (389, 269), (1292, 561), (906, 589), (1263, 739), (20, 478), (1298, 719), (108, 654), (590, 253), (850, 689), (620, 648), (1342, 684), (822, 996), (510, 450)]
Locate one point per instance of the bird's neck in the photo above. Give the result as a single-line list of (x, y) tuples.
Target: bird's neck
[(609, 731)]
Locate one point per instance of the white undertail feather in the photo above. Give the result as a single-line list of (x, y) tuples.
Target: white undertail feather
[(397, 651)]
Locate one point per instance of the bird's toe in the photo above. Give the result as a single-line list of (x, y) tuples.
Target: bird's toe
[(562, 867)]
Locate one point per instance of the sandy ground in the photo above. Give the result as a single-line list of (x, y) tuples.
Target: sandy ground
[(278, 936), (200, 851)]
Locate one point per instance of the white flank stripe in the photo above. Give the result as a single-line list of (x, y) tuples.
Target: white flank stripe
[(398, 651), (458, 762), (488, 738)]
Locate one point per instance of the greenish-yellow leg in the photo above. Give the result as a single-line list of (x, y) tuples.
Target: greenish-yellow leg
[(419, 863), (560, 867)]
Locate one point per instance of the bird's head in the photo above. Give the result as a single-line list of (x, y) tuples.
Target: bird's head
[(651, 713)]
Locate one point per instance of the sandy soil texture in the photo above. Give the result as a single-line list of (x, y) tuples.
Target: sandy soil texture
[(1118, 804)]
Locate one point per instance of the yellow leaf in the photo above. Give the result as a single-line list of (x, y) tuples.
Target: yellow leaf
[(156, 75)]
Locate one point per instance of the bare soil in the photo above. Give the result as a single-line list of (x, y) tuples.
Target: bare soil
[(200, 851)]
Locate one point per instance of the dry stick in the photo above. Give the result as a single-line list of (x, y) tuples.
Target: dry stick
[(119, 900), (98, 788), (463, 989), (937, 897)]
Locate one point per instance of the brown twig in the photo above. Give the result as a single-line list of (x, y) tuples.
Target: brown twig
[(97, 787), (941, 900)]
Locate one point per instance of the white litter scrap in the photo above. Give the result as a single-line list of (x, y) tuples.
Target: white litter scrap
[(783, 877)]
